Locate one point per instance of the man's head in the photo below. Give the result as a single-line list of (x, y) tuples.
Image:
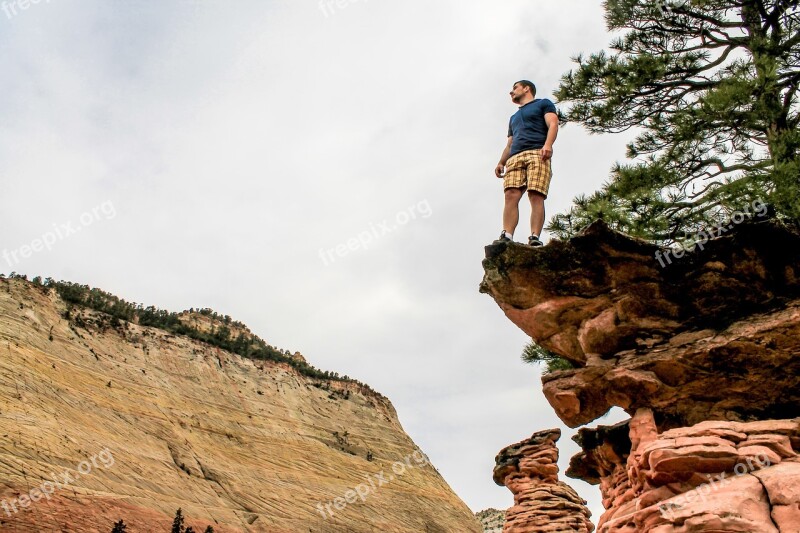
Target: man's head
[(523, 92)]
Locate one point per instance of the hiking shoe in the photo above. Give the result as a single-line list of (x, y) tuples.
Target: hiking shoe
[(503, 237), (534, 241)]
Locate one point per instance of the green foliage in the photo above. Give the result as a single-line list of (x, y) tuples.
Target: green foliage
[(249, 346), (712, 88), (177, 523), (533, 353)]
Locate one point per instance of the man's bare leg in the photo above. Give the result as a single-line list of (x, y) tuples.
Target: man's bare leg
[(511, 209), (537, 212)]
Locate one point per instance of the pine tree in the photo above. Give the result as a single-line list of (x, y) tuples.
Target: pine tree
[(712, 87), (177, 524), (120, 527), (209, 529), (534, 353)]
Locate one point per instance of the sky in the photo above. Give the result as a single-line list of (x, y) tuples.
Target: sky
[(321, 171)]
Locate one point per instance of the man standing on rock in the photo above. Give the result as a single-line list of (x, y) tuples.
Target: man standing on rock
[(526, 159)]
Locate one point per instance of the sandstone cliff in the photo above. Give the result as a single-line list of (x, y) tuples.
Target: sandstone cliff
[(102, 420), (702, 351)]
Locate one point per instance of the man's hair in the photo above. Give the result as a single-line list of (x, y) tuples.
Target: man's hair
[(528, 84)]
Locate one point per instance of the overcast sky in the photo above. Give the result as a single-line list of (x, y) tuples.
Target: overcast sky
[(322, 173)]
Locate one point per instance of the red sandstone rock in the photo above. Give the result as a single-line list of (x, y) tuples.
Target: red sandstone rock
[(782, 484), (670, 339), (703, 354), (708, 477), (541, 503)]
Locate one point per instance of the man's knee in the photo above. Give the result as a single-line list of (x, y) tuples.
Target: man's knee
[(536, 197), (513, 194)]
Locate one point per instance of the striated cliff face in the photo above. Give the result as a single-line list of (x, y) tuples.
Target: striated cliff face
[(703, 353), (103, 420)]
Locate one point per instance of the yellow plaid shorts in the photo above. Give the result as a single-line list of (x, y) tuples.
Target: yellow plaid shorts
[(526, 169)]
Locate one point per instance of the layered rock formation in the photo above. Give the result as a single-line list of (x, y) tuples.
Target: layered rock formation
[(711, 336), (713, 476), (134, 422), (542, 503)]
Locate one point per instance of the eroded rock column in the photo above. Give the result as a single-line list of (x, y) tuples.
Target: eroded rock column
[(542, 503)]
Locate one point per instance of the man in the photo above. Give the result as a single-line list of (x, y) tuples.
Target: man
[(526, 159)]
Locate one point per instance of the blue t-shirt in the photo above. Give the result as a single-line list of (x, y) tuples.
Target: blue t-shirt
[(527, 126)]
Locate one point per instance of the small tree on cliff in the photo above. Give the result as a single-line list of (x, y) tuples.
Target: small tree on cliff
[(120, 527), (712, 86), (534, 353), (177, 523)]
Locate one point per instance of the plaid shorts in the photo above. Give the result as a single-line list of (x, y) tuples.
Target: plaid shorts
[(526, 169)]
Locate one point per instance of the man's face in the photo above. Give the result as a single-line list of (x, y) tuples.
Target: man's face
[(518, 92)]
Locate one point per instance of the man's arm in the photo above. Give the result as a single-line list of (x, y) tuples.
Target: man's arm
[(498, 170), (552, 132)]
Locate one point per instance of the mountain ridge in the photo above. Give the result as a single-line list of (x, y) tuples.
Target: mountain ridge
[(239, 444)]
